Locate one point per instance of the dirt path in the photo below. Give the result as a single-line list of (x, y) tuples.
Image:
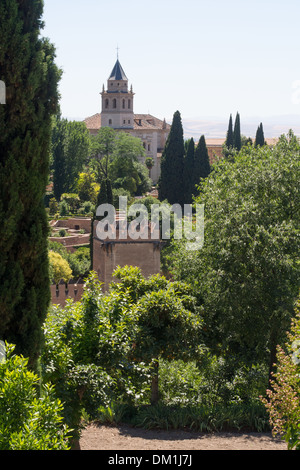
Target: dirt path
[(128, 438)]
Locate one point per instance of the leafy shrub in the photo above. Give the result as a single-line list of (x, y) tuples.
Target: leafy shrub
[(63, 208), (201, 418), (283, 398), (28, 420)]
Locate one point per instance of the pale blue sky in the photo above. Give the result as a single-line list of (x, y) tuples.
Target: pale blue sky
[(203, 58)]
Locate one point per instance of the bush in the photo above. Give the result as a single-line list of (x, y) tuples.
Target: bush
[(63, 208), (283, 397), (29, 420), (200, 418)]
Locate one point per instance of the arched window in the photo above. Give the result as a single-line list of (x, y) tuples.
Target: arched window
[(123, 104), (129, 104), (106, 103), (114, 103)]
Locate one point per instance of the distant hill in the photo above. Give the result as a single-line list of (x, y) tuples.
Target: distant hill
[(216, 128)]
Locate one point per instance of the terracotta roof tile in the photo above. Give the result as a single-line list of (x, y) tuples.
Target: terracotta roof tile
[(141, 121), (93, 122)]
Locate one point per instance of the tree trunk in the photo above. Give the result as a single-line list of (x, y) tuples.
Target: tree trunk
[(154, 384)]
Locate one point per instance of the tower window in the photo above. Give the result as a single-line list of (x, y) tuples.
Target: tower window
[(114, 103), (129, 104), (123, 104), (106, 104), (110, 122)]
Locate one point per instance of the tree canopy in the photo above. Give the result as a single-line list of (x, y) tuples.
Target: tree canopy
[(116, 156), (27, 64), (171, 184), (247, 275)]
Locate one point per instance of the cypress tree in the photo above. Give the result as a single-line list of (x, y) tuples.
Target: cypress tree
[(28, 69), (201, 162), (172, 163), (105, 196), (109, 191), (188, 174), (237, 140), (260, 138), (229, 138)]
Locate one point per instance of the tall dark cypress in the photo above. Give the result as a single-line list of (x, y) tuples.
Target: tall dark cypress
[(260, 137), (237, 140), (229, 138), (28, 69), (171, 185), (188, 172), (201, 162)]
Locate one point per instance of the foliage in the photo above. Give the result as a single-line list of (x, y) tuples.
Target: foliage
[(79, 261), (59, 268), (72, 199), (201, 163), (283, 397), (86, 187), (167, 324), (237, 141), (189, 177), (259, 138), (219, 418), (115, 157), (25, 132), (247, 275), (29, 420), (229, 136), (70, 148), (171, 185), (53, 206)]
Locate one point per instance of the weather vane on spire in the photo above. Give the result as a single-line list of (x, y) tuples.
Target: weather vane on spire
[(118, 52)]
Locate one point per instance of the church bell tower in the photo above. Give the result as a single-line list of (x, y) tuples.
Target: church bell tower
[(117, 101)]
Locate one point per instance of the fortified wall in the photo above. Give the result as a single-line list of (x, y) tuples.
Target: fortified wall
[(121, 250)]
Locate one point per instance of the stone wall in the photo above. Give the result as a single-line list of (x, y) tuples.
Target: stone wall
[(62, 292), (109, 254)]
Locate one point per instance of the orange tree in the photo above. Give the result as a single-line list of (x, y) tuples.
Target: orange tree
[(166, 323)]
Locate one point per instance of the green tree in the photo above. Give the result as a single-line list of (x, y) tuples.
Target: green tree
[(115, 156), (32, 78), (171, 182), (237, 140), (201, 163), (70, 149), (30, 416), (105, 194), (283, 397), (86, 187), (247, 275), (166, 324), (229, 137), (188, 171), (59, 268), (260, 137)]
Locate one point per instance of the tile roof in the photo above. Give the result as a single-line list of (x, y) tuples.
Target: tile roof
[(93, 122), (141, 122), (147, 121)]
